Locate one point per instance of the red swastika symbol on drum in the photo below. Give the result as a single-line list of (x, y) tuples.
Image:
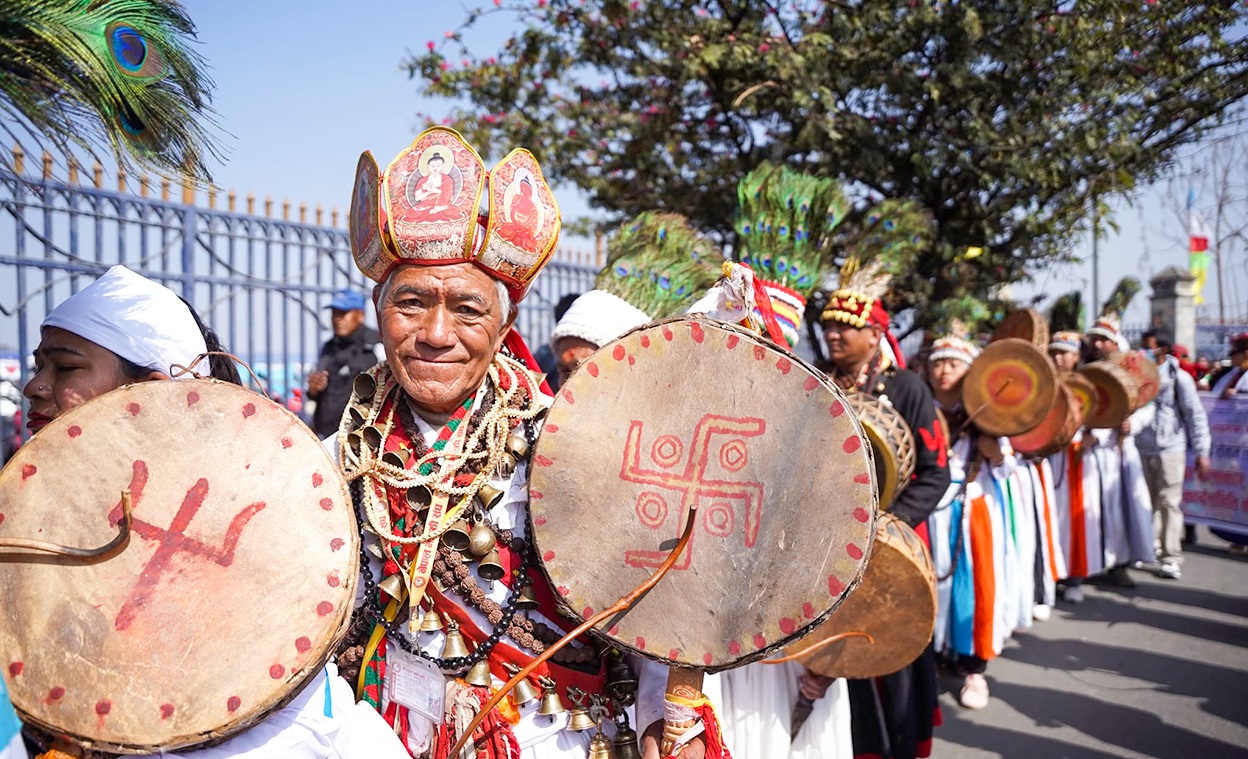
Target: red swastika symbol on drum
[(692, 484), (173, 540)]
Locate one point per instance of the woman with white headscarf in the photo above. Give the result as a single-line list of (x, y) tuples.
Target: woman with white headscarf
[(122, 328)]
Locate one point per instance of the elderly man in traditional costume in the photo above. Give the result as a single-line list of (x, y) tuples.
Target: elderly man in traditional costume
[(436, 443), (968, 531), (1126, 506), (893, 716)]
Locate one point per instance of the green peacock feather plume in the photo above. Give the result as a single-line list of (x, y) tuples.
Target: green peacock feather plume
[(963, 317), (660, 264), (1118, 300), (881, 243), (1066, 313), (115, 72), (785, 222)]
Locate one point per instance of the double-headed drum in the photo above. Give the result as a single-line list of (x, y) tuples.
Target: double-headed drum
[(895, 605), (235, 580), (892, 444)]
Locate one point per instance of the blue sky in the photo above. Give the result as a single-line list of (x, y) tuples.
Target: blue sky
[(304, 86)]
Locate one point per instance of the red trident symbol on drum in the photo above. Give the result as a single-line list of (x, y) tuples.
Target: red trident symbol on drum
[(719, 517)]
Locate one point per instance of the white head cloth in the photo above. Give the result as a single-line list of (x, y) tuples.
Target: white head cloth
[(136, 318), (598, 317)]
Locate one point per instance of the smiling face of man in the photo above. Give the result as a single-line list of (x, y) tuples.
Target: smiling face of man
[(441, 326)]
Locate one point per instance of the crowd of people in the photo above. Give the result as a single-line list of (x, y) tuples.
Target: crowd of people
[(461, 403)]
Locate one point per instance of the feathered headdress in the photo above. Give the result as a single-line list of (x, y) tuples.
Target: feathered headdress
[(891, 234), (1066, 313), (785, 225), (424, 211), (658, 265), (1109, 323), (86, 72)]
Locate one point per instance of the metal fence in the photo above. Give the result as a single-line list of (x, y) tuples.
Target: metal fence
[(261, 280)]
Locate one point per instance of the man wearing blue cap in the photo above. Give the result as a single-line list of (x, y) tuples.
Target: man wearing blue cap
[(353, 348)]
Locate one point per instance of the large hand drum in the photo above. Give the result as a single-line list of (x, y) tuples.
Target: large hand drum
[(1143, 370), (698, 414), (237, 577), (1009, 388)]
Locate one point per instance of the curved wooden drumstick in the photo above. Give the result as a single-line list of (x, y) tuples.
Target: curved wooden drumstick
[(621, 605), (123, 534), (819, 645)]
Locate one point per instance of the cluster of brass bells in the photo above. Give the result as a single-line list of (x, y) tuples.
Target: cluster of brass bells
[(515, 450), (477, 539)]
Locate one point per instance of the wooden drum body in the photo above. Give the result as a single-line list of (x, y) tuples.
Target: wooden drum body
[(895, 605)]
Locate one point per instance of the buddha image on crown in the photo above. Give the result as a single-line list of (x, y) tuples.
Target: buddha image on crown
[(432, 191), (523, 208)]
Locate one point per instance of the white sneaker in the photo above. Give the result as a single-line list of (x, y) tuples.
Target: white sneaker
[(1041, 612), (974, 693), (1169, 571)]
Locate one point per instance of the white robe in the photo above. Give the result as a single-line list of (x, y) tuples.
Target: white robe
[(758, 701), (1092, 556), (1126, 507)]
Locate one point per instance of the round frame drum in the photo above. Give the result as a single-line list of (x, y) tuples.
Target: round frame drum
[(1009, 388), (236, 580), (1058, 428), (896, 605), (1143, 370), (892, 443), (698, 414), (1083, 390), (1114, 396), (1025, 324)]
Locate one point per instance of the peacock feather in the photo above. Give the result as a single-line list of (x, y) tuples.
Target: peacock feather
[(784, 223), (1118, 300), (107, 72), (963, 317), (1066, 313), (881, 243), (660, 264)]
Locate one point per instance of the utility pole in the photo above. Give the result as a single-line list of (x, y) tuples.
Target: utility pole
[(1096, 263)]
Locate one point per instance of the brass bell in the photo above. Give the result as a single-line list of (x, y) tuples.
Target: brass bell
[(479, 674), (490, 568), (621, 682), (526, 599), (397, 459), (457, 536), (371, 436), (524, 692), (580, 720), (551, 705), (506, 465), (454, 647), (489, 496), (376, 550), (600, 747), (624, 744), (357, 413), (432, 622), (364, 387), (419, 497), (480, 539), (517, 446), (355, 441), (394, 587)]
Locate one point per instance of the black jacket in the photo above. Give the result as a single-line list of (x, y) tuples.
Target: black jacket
[(343, 358)]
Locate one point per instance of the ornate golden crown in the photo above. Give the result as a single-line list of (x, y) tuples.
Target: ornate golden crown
[(424, 210)]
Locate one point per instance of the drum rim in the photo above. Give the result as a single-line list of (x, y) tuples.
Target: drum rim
[(1037, 409)]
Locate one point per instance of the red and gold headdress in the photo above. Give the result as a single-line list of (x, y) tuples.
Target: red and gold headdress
[(424, 210)]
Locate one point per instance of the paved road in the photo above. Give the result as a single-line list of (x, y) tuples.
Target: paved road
[(1157, 671)]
